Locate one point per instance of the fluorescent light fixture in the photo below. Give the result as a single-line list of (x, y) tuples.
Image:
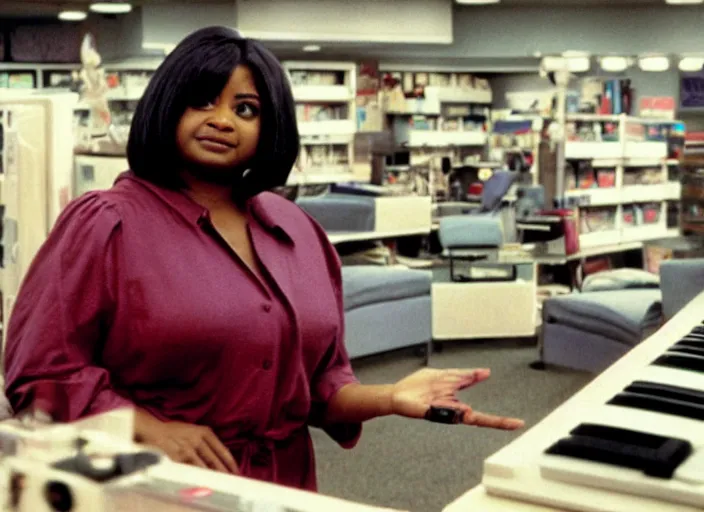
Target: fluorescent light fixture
[(684, 2), (111, 7), (613, 64), (654, 63), (577, 61), (311, 48), (72, 15), (691, 64), (477, 2)]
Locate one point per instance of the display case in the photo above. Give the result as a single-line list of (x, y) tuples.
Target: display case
[(35, 177), (324, 93), (621, 169)]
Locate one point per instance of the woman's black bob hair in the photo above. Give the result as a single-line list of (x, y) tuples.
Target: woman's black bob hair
[(193, 74)]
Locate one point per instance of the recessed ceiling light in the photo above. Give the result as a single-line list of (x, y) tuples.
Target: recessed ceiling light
[(691, 64), (614, 64), (111, 7), (578, 64), (477, 2), (72, 15), (684, 2), (311, 48), (654, 63)]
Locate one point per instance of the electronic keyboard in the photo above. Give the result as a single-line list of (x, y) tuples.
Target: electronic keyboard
[(632, 440)]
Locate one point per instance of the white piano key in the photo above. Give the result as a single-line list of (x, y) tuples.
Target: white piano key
[(671, 376), (623, 480), (648, 422), (692, 470)]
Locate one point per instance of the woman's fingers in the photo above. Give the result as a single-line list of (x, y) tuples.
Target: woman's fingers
[(210, 458), (480, 419), (450, 403), (223, 455)]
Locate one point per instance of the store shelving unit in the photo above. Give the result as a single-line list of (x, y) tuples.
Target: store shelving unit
[(692, 220), (326, 112), (629, 196), (36, 76), (446, 117)]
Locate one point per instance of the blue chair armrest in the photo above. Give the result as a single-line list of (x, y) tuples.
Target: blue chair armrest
[(680, 282)]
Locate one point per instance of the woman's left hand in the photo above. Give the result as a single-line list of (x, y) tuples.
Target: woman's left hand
[(413, 396)]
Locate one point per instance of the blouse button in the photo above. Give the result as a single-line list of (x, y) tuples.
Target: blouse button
[(266, 307), (267, 365)]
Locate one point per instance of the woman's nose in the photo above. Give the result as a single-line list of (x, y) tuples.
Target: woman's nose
[(222, 119)]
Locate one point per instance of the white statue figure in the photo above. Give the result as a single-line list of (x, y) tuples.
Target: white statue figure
[(94, 90)]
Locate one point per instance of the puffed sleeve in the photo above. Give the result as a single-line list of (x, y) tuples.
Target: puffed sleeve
[(62, 313), (334, 371)]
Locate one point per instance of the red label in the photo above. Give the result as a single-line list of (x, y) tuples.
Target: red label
[(195, 493)]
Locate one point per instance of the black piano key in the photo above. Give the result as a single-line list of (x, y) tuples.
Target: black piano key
[(699, 329), (659, 404), (686, 349), (694, 340), (689, 343), (681, 361), (620, 435), (654, 455), (667, 391)]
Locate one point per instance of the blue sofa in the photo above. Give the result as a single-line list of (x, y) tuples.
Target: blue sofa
[(386, 308), (590, 331)]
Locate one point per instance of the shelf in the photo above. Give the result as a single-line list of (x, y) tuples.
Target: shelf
[(648, 150), (317, 140), (614, 118), (650, 193), (642, 233), (607, 237), (595, 196), (322, 93), (461, 95), (418, 106), (332, 127), (644, 162), (577, 150), (343, 175), (420, 138)]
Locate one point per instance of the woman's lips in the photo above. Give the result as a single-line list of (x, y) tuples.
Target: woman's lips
[(215, 144)]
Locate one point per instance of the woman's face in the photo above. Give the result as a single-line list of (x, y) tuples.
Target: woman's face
[(224, 134)]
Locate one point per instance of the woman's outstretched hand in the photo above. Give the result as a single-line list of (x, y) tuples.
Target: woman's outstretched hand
[(416, 394)]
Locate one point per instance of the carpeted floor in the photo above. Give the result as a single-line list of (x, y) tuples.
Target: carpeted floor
[(421, 467)]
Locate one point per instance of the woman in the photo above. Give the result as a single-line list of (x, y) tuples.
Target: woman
[(186, 291)]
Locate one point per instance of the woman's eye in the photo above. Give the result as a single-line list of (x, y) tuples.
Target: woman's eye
[(247, 110), (206, 105)]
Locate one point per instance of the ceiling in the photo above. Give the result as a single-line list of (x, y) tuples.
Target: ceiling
[(583, 3), (24, 8), (51, 7)]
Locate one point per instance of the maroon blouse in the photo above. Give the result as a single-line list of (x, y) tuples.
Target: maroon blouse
[(136, 299)]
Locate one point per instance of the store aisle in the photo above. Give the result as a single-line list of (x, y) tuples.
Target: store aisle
[(419, 466)]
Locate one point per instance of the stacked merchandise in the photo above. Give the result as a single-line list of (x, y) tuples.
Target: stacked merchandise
[(17, 80), (306, 112), (307, 77), (581, 175), (592, 220), (412, 85), (603, 96), (641, 214), (592, 131)]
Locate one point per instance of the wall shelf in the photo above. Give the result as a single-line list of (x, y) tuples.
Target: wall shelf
[(431, 138)]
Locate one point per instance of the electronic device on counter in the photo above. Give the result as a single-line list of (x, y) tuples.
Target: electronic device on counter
[(632, 440), (93, 466)]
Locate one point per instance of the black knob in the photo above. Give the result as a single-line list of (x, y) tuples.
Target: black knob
[(58, 496)]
